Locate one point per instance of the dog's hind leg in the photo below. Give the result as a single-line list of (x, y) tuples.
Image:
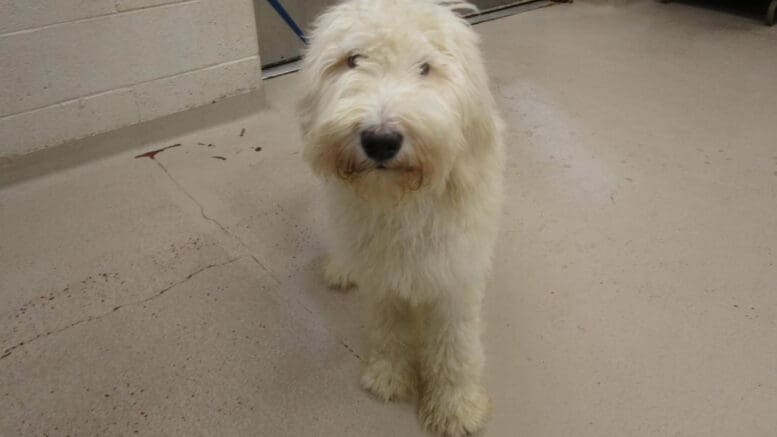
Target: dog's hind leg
[(453, 401), (390, 372)]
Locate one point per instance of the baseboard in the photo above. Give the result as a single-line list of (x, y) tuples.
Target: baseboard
[(15, 169)]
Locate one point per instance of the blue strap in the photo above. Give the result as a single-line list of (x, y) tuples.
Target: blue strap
[(287, 18)]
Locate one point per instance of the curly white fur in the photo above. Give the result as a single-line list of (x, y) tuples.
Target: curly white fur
[(416, 234)]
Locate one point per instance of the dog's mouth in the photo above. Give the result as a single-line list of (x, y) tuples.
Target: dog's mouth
[(357, 169), (410, 175), (398, 167), (363, 167)]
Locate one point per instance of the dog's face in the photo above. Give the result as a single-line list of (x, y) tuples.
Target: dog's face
[(392, 94)]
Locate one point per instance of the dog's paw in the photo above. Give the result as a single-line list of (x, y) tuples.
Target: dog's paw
[(336, 277), (455, 412), (389, 381)]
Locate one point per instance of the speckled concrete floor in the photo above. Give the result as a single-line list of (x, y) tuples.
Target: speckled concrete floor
[(634, 292)]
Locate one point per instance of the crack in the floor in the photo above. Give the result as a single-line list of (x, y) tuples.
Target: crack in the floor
[(216, 222), (193, 199), (7, 352), (242, 244)]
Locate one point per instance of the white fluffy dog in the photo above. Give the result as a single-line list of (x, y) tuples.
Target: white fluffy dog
[(399, 121)]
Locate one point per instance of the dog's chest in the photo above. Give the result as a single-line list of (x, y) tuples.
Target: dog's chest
[(401, 235), (398, 238)]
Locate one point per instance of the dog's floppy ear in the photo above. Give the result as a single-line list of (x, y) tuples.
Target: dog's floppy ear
[(317, 59)]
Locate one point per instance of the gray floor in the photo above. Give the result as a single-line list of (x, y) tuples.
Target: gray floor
[(634, 293)]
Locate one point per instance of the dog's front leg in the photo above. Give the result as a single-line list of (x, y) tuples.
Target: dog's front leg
[(390, 373), (453, 401), (336, 275)]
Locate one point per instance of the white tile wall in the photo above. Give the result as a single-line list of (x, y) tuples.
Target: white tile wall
[(16, 15), (35, 130), (126, 5), (78, 74)]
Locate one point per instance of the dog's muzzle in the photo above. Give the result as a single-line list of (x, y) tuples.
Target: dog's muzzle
[(381, 145)]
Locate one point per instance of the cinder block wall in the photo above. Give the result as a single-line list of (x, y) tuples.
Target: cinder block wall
[(74, 68)]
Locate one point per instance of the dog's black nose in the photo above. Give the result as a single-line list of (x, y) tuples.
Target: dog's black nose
[(381, 145)]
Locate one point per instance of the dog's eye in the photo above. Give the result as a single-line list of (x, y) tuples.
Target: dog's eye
[(353, 61), (425, 67)]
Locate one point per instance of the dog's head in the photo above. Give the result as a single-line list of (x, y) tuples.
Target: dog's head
[(394, 94)]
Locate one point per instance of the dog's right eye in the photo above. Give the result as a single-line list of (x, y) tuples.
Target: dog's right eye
[(353, 61)]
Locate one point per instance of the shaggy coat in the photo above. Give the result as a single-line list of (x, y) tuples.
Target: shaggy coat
[(416, 233)]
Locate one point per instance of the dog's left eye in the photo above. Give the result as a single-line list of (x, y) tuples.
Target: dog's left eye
[(353, 60), (425, 67)]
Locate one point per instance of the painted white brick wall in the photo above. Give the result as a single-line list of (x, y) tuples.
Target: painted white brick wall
[(74, 68)]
